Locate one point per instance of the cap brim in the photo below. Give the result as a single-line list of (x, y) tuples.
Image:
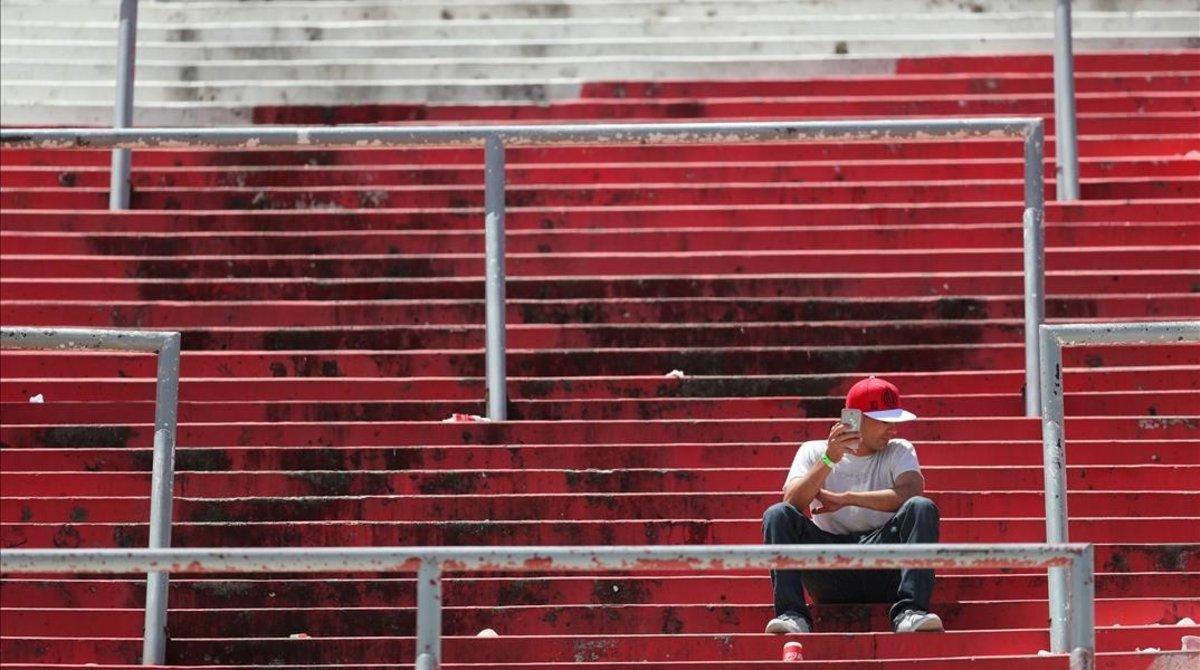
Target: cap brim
[(891, 415)]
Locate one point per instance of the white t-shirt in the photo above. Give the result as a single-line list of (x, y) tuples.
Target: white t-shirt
[(855, 473)]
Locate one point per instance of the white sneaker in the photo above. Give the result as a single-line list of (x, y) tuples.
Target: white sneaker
[(788, 622), (916, 621)]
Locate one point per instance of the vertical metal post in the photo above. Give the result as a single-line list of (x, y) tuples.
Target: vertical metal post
[(1054, 465), (497, 395), (1082, 631), (429, 615), (154, 644), (1066, 173), (118, 194), (1035, 268)]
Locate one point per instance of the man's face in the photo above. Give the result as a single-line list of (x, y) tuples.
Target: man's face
[(875, 435)]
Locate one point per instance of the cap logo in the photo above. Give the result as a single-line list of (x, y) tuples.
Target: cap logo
[(890, 399)]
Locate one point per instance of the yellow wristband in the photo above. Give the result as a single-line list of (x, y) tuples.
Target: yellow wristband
[(825, 459)]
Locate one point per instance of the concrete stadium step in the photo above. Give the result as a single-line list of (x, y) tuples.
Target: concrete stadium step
[(298, 313), (411, 81), (1115, 61), (606, 336), (738, 431), (81, 458), (947, 285), (390, 590), (22, 65), (476, 10), (999, 83), (1148, 114), (1148, 403), (343, 266), (81, 508), (335, 483), (575, 532), (554, 195), (588, 362), (571, 619), (1105, 661), (596, 218), (937, 387), (884, 24), (49, 176), (1010, 54), (603, 650), (1118, 148), (660, 240)]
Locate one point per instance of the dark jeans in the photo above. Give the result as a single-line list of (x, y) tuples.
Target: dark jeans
[(916, 522)]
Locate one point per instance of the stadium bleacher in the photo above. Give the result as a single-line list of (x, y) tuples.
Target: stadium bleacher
[(331, 308)]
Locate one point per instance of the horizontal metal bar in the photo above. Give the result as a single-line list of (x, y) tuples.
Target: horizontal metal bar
[(602, 133), (84, 338), (1158, 332), (524, 559)]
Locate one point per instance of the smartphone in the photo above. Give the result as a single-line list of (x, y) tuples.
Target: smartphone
[(852, 418)]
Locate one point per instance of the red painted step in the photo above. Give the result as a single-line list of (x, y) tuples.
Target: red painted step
[(589, 173), (1114, 61), (109, 508), (1155, 142), (1151, 403), (1090, 106), (518, 218), (1002, 83), (574, 532), (572, 241), (570, 195), (571, 456), (552, 336), (549, 363), (902, 285), (546, 480), (585, 264), (543, 620), (296, 313), (935, 386), (249, 591)]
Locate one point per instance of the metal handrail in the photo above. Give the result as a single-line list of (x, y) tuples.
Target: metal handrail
[(494, 139), (1066, 151), (166, 402), (1077, 615), (1054, 455)]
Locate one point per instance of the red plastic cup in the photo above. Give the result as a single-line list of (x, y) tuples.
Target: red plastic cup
[(793, 651)]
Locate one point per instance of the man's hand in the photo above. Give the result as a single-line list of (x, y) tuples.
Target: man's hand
[(830, 501), (842, 438)]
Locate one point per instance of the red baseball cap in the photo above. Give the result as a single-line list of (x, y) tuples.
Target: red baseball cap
[(878, 399)]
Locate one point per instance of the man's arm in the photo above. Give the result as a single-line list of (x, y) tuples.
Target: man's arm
[(800, 491), (907, 485)]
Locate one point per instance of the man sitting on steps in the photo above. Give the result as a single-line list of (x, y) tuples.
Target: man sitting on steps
[(864, 488)]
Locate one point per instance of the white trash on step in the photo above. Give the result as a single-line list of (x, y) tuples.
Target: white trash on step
[(487, 632), (675, 374), (1185, 621), (37, 399), (464, 418)]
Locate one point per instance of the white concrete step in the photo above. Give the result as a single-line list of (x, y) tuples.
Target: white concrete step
[(452, 10), (812, 58), (210, 61), (286, 30), (456, 83), (29, 52)]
